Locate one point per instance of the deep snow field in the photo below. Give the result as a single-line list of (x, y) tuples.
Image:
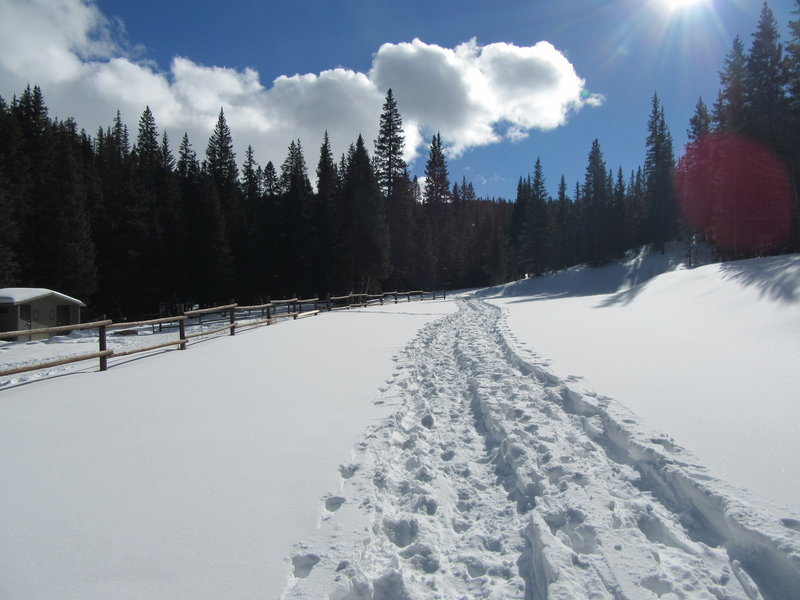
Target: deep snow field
[(624, 432), (710, 356)]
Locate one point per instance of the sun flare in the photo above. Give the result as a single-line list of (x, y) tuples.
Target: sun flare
[(676, 5)]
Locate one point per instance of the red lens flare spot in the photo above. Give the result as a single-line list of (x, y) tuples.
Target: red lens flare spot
[(736, 192)]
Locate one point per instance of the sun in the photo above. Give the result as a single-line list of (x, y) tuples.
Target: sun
[(677, 5)]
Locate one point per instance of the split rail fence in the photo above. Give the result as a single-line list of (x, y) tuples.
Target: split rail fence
[(227, 318)]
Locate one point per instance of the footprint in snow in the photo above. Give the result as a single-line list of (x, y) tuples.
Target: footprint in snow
[(303, 564), (401, 532), (792, 524), (347, 471), (334, 503)]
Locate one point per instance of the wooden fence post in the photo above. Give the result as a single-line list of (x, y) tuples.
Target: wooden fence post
[(233, 319), (328, 301), (103, 348), (182, 332)]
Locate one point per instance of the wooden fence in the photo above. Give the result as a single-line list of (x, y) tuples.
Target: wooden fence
[(220, 318)]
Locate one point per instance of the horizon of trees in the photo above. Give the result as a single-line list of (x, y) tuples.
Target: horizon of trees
[(128, 225)]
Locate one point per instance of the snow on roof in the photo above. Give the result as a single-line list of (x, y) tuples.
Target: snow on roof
[(20, 295)]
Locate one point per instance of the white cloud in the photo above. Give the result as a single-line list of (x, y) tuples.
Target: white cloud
[(474, 95), (50, 39), (440, 89)]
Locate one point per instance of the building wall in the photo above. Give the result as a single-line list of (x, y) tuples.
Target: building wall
[(8, 317), (44, 313)]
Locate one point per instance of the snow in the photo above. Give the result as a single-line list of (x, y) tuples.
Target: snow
[(188, 474), (20, 295), (623, 432), (709, 355)]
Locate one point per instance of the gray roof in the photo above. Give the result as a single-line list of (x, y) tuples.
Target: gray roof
[(21, 295)]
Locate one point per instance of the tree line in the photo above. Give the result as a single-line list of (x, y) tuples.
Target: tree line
[(128, 224), (740, 172)]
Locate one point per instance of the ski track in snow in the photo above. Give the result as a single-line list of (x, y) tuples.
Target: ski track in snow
[(497, 480)]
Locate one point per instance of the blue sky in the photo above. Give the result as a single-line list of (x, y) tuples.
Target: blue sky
[(508, 98)]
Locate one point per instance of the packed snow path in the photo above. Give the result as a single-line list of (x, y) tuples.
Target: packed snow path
[(495, 480)]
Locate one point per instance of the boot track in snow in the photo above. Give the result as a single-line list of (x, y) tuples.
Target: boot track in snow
[(495, 479)]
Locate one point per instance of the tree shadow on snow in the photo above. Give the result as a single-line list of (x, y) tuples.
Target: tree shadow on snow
[(777, 278), (625, 280)]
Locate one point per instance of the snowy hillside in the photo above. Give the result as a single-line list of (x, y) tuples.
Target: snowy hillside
[(618, 433), (709, 355)]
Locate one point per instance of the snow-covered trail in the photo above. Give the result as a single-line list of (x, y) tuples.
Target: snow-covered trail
[(496, 480)]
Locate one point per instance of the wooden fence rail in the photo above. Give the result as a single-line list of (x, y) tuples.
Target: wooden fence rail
[(293, 307), (102, 354), (59, 329)]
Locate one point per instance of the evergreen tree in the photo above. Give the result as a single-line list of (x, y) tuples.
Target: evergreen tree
[(209, 258), (116, 172), (699, 123), (292, 220), (147, 272), (366, 253), (252, 198), (437, 198), (70, 238), (765, 98), (148, 152), (517, 228), (467, 216), (495, 255), (425, 259), (322, 219), (793, 79), (729, 110), (437, 182), (9, 238), (251, 182), (389, 147), (793, 66), (658, 172), (220, 157), (635, 213), (393, 180), (220, 166), (565, 235), (36, 144), (187, 165), (214, 262), (619, 227), (174, 283), (404, 234), (165, 156), (271, 183), (13, 192), (596, 208), (534, 244)]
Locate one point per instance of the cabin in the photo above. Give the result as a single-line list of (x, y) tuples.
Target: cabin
[(36, 308)]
